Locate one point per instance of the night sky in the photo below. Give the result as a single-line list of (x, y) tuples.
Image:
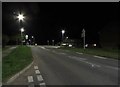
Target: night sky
[(45, 20)]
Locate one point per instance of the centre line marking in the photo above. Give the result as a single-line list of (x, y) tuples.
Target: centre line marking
[(37, 71), (39, 77), (30, 78), (35, 67)]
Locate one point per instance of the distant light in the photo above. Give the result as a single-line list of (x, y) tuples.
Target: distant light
[(20, 17), (63, 44), (22, 30), (70, 45), (86, 45), (26, 36), (32, 36), (35, 44), (94, 45), (66, 37), (63, 31)]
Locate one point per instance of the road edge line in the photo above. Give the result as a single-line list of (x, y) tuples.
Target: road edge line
[(19, 73)]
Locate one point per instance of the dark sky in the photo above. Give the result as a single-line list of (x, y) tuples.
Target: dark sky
[(45, 20)]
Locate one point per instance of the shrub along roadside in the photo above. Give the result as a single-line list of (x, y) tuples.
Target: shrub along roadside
[(14, 62)]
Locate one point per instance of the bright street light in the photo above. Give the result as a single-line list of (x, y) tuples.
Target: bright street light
[(32, 36), (20, 17), (26, 36), (63, 31), (22, 30)]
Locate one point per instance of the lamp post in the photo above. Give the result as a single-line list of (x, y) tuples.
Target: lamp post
[(83, 35), (63, 32), (21, 18), (48, 42), (53, 42), (22, 30)]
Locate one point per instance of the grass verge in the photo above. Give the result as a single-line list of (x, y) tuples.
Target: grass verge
[(96, 51), (14, 62)]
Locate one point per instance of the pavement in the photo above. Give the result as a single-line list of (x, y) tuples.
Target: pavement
[(54, 66)]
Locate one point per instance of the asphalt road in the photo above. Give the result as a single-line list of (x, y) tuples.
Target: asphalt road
[(60, 67)]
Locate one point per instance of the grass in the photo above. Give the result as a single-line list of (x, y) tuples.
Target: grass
[(5, 48), (17, 60), (96, 51)]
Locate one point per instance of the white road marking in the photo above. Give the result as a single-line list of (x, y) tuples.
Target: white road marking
[(116, 68), (39, 77), (92, 64), (63, 53), (37, 71), (31, 85), (42, 84), (84, 61), (77, 58), (30, 78), (35, 67), (42, 47), (79, 53), (100, 57)]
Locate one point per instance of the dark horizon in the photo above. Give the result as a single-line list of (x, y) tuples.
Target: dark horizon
[(45, 20)]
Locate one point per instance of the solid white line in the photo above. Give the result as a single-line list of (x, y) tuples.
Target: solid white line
[(100, 57), (116, 68), (37, 71), (30, 78), (79, 53), (35, 67), (39, 77)]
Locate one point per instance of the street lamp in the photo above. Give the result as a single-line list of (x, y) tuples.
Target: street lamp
[(63, 31), (20, 17), (33, 40), (53, 42), (22, 30)]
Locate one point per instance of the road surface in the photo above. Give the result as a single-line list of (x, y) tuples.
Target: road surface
[(59, 67)]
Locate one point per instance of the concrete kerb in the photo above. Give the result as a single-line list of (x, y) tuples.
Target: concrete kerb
[(19, 73)]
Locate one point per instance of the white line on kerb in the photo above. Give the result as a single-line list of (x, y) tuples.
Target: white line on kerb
[(37, 71), (35, 67), (100, 57), (39, 77), (30, 78)]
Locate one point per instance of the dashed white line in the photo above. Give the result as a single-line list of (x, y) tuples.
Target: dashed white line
[(92, 64), (42, 84), (35, 67), (77, 58), (100, 57), (37, 71), (30, 78), (39, 78)]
